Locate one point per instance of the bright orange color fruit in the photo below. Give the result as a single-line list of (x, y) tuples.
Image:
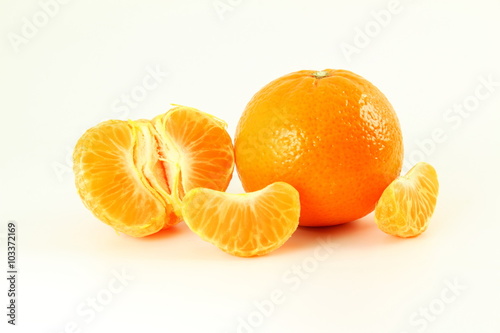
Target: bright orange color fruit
[(407, 204), (133, 174), (245, 225), (331, 134)]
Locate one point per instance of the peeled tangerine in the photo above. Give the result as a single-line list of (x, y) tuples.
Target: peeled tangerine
[(133, 175), (245, 225), (407, 204)]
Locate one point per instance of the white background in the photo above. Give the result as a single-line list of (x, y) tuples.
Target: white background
[(427, 58)]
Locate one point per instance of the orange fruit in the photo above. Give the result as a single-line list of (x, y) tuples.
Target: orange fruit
[(407, 204), (133, 174), (331, 134), (245, 225)]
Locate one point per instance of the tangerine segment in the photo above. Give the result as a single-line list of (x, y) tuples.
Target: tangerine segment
[(110, 184), (133, 174), (406, 205), (245, 225), (198, 149)]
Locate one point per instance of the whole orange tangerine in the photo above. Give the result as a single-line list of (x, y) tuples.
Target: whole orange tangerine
[(331, 134)]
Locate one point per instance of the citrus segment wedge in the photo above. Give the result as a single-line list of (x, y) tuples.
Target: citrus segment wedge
[(196, 149), (110, 184), (407, 204), (245, 225), (132, 175)]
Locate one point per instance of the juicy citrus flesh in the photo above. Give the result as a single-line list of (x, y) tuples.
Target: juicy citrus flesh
[(245, 225), (331, 134), (407, 204), (133, 175)]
